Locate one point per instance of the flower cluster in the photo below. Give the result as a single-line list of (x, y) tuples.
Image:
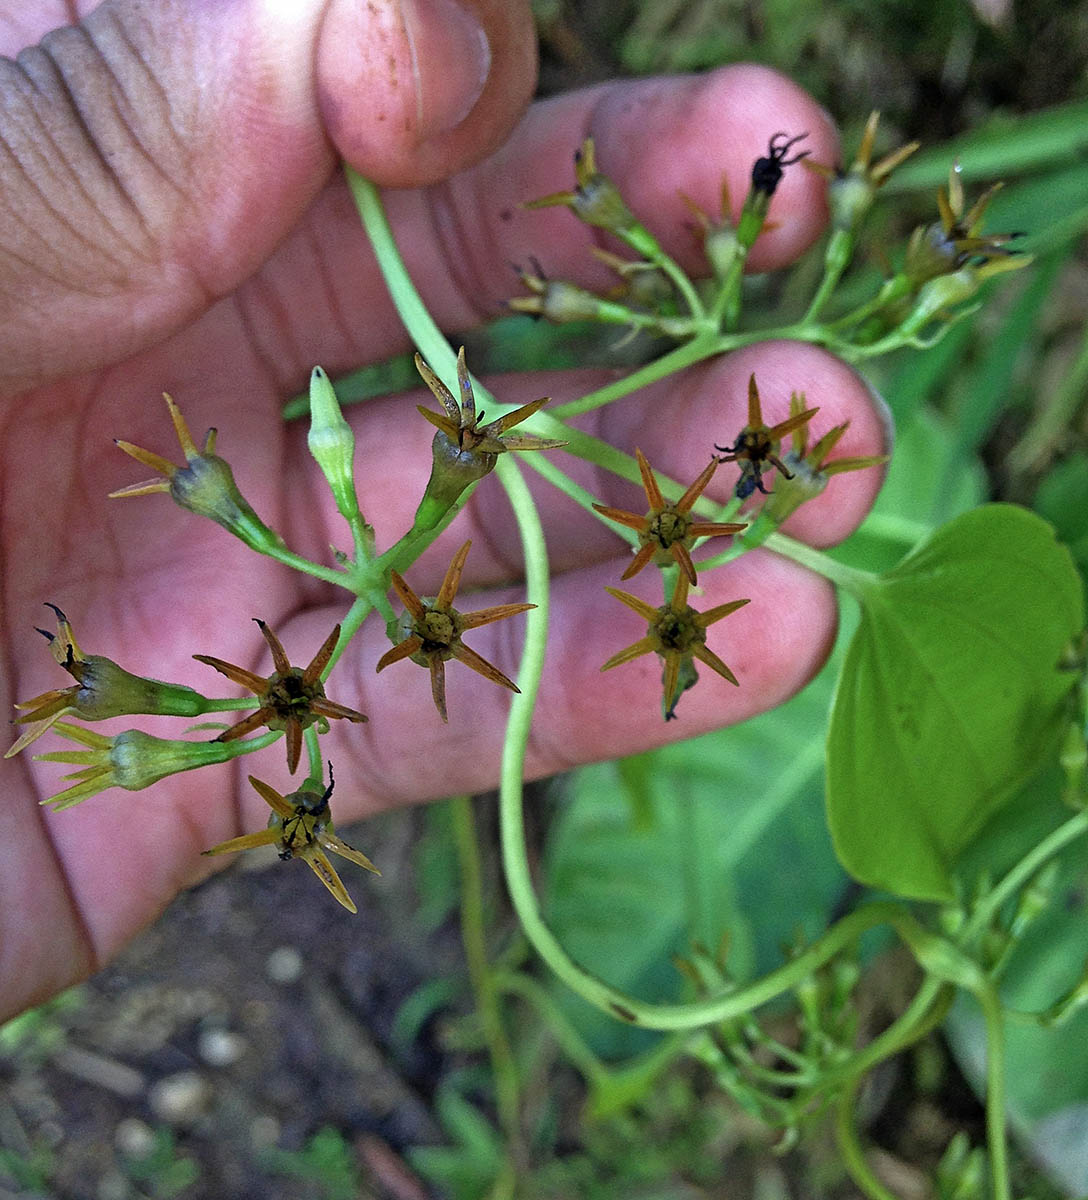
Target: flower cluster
[(943, 266)]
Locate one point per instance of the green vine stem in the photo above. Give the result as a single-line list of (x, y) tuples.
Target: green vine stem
[(850, 579), (1056, 841)]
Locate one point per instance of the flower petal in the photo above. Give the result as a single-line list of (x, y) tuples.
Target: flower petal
[(636, 650), (331, 842), (706, 655), (401, 650), (481, 666), (407, 597), (272, 798), (498, 612), (438, 685), (452, 581), (649, 483), (320, 660), (318, 862), (247, 841), (254, 683)]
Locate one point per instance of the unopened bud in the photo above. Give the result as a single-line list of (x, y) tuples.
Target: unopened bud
[(332, 444)]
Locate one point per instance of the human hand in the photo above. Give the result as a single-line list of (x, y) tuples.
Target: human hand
[(205, 245)]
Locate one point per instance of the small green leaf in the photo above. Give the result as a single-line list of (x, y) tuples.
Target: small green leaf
[(950, 696)]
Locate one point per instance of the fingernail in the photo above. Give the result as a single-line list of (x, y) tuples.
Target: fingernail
[(451, 57)]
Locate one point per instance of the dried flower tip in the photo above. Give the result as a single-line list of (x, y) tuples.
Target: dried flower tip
[(132, 760), (853, 190), (555, 300), (464, 449), (595, 199), (956, 240), (102, 689), (755, 447), (810, 470)]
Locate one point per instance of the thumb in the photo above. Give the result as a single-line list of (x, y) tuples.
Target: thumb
[(154, 154)]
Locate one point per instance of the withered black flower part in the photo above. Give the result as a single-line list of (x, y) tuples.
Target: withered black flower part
[(767, 171), (756, 445)]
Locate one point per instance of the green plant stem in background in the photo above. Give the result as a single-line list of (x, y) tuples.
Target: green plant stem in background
[(1058, 414), (846, 1136), (483, 983), (1018, 876)]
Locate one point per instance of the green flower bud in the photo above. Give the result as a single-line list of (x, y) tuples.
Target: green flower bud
[(332, 444), (132, 760)]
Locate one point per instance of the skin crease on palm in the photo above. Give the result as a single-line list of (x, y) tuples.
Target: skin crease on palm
[(207, 247)]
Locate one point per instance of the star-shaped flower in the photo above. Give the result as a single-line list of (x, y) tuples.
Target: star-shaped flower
[(464, 449), (667, 532), (461, 423), (853, 189), (291, 698), (677, 634), (876, 174), (434, 629), (301, 825), (755, 445)]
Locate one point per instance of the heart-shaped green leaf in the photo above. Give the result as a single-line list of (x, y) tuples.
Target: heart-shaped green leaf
[(950, 695)]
